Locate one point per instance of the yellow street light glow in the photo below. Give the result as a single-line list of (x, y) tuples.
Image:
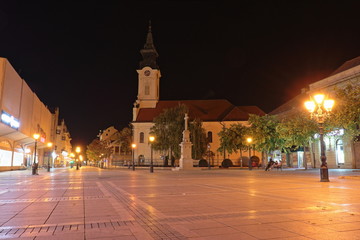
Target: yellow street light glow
[(151, 139), (249, 139), (310, 106), (78, 149), (320, 110), (328, 104), (319, 98), (133, 145), (36, 136), (49, 144), (81, 157)]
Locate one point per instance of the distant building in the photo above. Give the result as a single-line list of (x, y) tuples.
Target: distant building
[(63, 147), (22, 115), (340, 152), (110, 137), (215, 114)]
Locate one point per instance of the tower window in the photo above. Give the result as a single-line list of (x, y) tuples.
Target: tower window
[(141, 137), (147, 90), (209, 137)]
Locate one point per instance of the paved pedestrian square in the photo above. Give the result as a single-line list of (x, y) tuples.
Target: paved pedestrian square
[(93, 203)]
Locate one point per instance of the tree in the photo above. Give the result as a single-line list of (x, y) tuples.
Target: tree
[(233, 138), (125, 138), (198, 139), (96, 150), (264, 134), (297, 131), (168, 128), (346, 113)]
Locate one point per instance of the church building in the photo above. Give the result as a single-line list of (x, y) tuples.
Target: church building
[(214, 114)]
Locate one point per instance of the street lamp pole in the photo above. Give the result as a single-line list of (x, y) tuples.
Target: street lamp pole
[(249, 140), (208, 147), (77, 150), (319, 110), (49, 144), (151, 139), (36, 136), (133, 146)]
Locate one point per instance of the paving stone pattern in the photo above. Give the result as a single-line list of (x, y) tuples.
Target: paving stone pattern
[(93, 203)]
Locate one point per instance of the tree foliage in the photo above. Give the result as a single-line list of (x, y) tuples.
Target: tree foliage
[(96, 150), (233, 138), (346, 113), (125, 138), (198, 139), (264, 133), (168, 128), (297, 130)]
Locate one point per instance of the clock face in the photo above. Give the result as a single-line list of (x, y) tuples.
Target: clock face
[(147, 73)]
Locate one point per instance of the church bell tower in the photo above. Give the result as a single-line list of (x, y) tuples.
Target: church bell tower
[(148, 77)]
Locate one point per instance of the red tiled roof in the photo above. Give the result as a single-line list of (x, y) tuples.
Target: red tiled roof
[(252, 110), (347, 65), (206, 110), (241, 113)]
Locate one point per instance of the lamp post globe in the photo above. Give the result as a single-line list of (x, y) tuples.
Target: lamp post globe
[(49, 145), (133, 146), (249, 141), (151, 139), (77, 150), (35, 165)]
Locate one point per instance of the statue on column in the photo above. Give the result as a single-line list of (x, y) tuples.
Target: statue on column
[(186, 161)]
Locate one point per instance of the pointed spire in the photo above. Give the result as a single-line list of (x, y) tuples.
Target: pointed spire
[(149, 39), (149, 52)]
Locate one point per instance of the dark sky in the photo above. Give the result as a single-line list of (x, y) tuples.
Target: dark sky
[(82, 56)]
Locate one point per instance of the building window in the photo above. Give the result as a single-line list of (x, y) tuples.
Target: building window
[(147, 90), (340, 152), (209, 137), (141, 137)]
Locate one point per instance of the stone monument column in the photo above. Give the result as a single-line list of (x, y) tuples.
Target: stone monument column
[(186, 161)]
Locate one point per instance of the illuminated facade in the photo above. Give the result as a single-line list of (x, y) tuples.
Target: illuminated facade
[(22, 115), (111, 139), (215, 114), (63, 146), (341, 152)]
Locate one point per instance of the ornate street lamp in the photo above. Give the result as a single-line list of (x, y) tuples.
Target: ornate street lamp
[(151, 139), (133, 146), (49, 144), (249, 141), (35, 166), (320, 109)]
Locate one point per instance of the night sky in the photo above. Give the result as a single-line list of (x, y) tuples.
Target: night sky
[(82, 56)]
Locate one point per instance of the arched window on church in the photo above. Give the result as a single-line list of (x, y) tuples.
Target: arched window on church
[(209, 137), (141, 137)]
